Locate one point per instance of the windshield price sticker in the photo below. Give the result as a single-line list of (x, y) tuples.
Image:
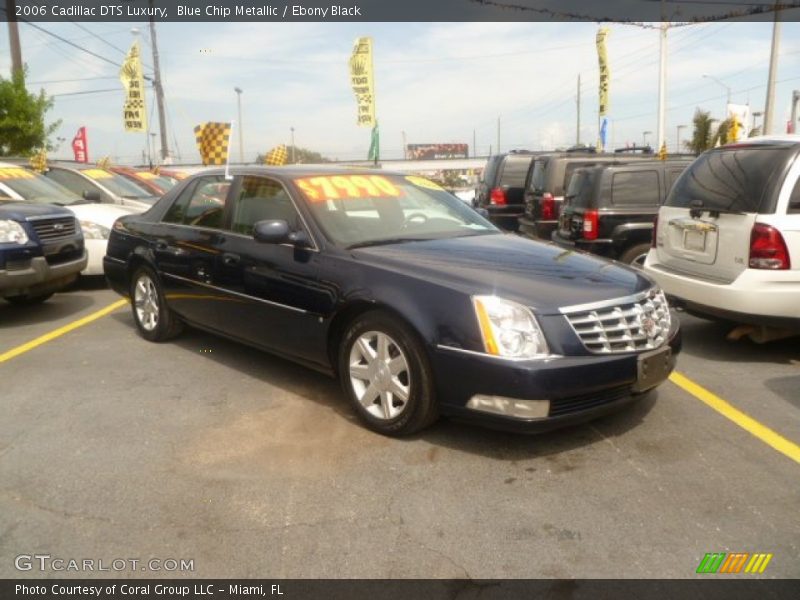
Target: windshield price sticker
[(146, 175), (338, 187), (16, 173), (97, 173), (424, 183)]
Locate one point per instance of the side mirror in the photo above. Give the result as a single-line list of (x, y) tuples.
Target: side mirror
[(271, 232), (91, 195)]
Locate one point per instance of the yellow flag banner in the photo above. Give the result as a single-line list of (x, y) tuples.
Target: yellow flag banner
[(212, 142), (132, 78), (362, 81), (605, 75), (276, 156), (38, 161)]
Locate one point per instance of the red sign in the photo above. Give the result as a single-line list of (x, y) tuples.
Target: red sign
[(80, 146), (320, 189)]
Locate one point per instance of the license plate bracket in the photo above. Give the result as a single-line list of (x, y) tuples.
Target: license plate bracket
[(652, 368)]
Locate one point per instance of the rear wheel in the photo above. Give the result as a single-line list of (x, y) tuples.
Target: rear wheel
[(385, 373), (635, 255), (154, 319), (26, 300)]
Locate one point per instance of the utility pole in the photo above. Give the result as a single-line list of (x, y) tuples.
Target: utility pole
[(13, 37), (474, 145), (405, 152), (662, 79), (578, 130), (498, 135), (769, 107), (795, 104), (162, 120), (291, 131), (238, 91)]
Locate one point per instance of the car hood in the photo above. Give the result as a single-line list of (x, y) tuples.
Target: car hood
[(102, 214), (540, 275), (20, 211)]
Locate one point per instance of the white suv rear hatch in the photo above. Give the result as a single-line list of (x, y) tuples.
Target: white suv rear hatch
[(704, 228)]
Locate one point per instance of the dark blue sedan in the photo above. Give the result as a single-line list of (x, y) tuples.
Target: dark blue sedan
[(417, 303)]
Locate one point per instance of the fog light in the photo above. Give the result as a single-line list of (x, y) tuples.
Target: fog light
[(510, 407)]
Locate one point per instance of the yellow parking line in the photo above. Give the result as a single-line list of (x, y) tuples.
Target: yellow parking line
[(14, 352), (746, 422)]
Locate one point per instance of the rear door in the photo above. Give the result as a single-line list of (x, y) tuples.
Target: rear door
[(512, 178), (704, 228)]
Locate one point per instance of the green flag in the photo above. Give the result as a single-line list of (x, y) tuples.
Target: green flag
[(375, 146)]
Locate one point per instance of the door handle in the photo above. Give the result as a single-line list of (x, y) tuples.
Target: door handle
[(164, 246), (231, 260)]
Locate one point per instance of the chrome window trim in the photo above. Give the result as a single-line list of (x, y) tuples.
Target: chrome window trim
[(231, 292), (546, 358), (565, 310)]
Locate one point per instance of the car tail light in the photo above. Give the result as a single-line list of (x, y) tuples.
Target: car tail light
[(655, 232), (768, 249), (498, 197), (548, 206), (590, 225)]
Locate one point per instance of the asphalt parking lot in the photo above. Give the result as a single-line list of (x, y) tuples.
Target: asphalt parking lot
[(113, 447)]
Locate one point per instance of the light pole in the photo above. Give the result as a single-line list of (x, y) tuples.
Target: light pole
[(756, 114), (238, 91), (727, 88), (291, 129), (644, 137), (678, 139)]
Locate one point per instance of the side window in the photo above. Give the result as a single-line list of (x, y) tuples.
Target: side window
[(201, 204), (672, 177), (635, 188), (73, 182), (794, 199), (262, 199)]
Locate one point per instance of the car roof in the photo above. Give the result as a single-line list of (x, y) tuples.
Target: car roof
[(786, 139), (296, 171)]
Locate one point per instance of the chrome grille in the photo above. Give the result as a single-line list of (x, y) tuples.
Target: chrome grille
[(630, 324), (49, 229)]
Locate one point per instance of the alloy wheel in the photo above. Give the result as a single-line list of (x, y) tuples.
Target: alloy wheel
[(380, 375), (145, 300)]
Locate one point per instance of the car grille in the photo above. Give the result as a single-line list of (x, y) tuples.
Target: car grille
[(51, 229), (639, 322), (576, 404)]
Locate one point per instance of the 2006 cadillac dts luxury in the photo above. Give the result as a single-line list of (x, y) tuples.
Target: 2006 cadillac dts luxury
[(420, 305)]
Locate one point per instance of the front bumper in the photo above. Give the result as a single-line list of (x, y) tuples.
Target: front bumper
[(96, 249), (40, 277), (758, 297), (579, 388)]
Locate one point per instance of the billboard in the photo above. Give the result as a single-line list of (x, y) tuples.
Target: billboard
[(434, 151)]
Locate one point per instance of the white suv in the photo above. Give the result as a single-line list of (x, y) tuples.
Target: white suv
[(727, 240)]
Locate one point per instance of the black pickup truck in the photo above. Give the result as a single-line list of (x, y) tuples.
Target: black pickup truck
[(41, 251)]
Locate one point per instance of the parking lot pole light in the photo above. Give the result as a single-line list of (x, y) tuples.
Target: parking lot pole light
[(769, 107), (678, 139), (662, 80), (644, 137), (291, 130), (238, 91), (727, 89)]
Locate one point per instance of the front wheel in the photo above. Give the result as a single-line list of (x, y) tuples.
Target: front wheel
[(385, 373), (154, 319), (635, 255)]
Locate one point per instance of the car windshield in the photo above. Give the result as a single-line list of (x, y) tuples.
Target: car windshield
[(119, 185), (33, 187), (163, 182), (737, 179), (362, 210)]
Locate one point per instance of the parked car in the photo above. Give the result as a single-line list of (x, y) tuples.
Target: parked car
[(420, 305), (41, 250), (155, 184), (95, 219), (97, 184), (545, 184), (727, 242), (501, 186), (609, 209)]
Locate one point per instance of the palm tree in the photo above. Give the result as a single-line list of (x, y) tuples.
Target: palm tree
[(702, 136)]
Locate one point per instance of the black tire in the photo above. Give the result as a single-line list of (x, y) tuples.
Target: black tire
[(631, 254), (26, 300), (166, 325), (420, 408)]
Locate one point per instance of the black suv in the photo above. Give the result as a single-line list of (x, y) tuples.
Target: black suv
[(609, 209), (545, 184), (500, 189)]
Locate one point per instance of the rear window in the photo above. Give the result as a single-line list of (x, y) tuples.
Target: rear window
[(515, 171), (537, 177), (737, 179), (579, 190), (794, 199), (490, 169), (635, 188)]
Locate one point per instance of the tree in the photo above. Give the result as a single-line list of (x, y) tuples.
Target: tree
[(22, 118), (301, 156), (702, 137)]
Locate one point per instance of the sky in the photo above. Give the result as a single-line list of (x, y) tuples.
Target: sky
[(435, 82)]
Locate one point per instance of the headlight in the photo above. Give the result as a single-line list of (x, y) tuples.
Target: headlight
[(12, 232), (509, 329), (94, 231)]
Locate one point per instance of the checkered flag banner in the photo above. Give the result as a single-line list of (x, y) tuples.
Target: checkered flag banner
[(212, 142), (276, 156), (39, 161)]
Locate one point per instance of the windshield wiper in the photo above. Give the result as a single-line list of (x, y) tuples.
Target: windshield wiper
[(385, 242)]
